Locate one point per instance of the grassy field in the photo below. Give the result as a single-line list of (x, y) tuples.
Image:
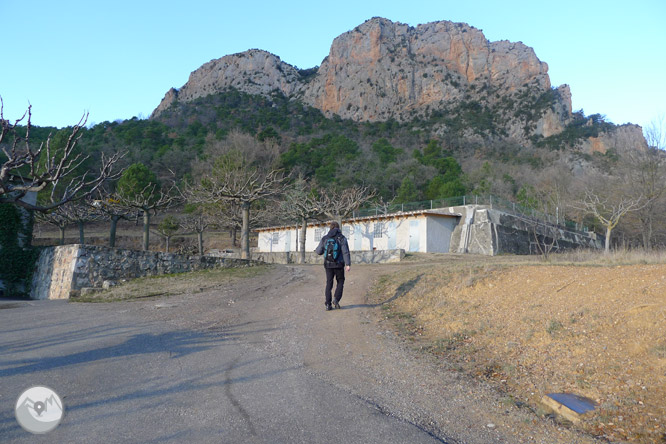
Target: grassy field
[(582, 323)]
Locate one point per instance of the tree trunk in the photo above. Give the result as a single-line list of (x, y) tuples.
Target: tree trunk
[(301, 241), (245, 231), (62, 235), (200, 239), (607, 243), (647, 234), (82, 239), (167, 243), (146, 230), (112, 233)]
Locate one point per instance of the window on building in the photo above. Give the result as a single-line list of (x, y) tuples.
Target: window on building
[(379, 229), (276, 238), (319, 233)]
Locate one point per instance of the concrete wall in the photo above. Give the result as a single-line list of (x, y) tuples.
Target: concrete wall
[(366, 235), (491, 232), (63, 271), (473, 229)]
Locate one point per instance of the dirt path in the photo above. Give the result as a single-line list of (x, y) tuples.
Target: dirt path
[(282, 312)]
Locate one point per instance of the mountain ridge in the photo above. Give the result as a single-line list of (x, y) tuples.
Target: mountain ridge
[(383, 70)]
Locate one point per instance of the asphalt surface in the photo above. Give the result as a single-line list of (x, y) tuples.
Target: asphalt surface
[(127, 377)]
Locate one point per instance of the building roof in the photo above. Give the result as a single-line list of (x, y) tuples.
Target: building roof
[(399, 215)]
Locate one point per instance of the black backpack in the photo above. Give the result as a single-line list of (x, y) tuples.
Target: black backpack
[(332, 250)]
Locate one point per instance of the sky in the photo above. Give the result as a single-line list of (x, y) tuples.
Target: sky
[(116, 60)]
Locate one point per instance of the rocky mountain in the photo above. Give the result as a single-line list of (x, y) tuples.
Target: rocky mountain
[(384, 70)]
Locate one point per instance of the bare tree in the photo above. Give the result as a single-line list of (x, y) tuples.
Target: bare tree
[(234, 176), (110, 207), (73, 212), (608, 208), (167, 228), (27, 169), (81, 212), (646, 176), (337, 205), (301, 202), (197, 222), (138, 188), (56, 217)]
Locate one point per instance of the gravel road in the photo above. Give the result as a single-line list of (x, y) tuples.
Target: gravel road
[(255, 360)]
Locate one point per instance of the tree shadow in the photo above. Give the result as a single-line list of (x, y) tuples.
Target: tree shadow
[(176, 343)]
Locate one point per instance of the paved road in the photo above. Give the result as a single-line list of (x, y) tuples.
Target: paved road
[(247, 361), (135, 372)]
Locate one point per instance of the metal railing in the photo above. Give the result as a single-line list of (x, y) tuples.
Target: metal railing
[(492, 202)]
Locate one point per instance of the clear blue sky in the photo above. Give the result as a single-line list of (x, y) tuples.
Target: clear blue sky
[(117, 59)]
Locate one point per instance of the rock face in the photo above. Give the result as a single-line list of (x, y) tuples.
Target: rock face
[(385, 70), (254, 72), (382, 70)]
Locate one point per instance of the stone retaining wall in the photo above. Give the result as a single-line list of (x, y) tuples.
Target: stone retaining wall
[(357, 257), (491, 232), (63, 271)]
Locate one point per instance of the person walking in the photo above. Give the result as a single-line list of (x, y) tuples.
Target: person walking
[(335, 249)]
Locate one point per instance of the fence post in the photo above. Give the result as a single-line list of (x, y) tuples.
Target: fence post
[(464, 201), (431, 204)]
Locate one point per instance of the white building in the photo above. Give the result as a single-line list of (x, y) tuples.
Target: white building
[(425, 231)]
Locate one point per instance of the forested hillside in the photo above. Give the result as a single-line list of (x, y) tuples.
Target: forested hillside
[(403, 161)]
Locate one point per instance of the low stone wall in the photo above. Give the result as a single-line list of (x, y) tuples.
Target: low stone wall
[(357, 257), (63, 271)]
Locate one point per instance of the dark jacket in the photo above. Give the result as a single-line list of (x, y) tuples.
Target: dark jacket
[(344, 247)]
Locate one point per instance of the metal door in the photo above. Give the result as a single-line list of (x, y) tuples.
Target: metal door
[(414, 240), (287, 242), (392, 236), (358, 238)]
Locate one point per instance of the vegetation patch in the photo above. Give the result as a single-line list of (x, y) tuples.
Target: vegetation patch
[(16, 261)]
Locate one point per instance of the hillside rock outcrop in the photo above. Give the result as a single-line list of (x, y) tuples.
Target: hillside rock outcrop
[(382, 70), (254, 72), (385, 70)]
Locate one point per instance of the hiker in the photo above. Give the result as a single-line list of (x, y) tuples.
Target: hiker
[(335, 249)]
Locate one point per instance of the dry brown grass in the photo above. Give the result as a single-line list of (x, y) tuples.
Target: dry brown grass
[(589, 324), (173, 284)]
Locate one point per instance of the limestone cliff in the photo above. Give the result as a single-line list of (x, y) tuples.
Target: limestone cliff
[(385, 70), (254, 72)]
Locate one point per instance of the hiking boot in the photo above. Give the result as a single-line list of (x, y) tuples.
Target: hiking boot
[(336, 304), (328, 307)]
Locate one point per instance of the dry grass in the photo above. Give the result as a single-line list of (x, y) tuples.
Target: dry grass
[(172, 284), (589, 324)]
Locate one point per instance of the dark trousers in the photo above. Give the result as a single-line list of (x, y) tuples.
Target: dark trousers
[(339, 274)]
